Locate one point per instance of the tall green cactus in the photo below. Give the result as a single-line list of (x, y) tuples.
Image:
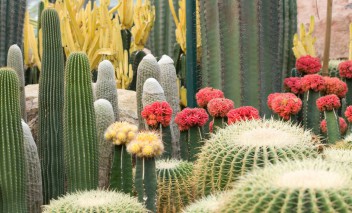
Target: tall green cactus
[(311, 114), (51, 98), (11, 22), (33, 172), (105, 87), (333, 126), (80, 135), (135, 58), (15, 61), (13, 168), (104, 118)]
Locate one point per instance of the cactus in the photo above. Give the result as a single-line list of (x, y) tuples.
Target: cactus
[(208, 204), (33, 172), (295, 186), (174, 185), (95, 201), (311, 114), (104, 118), (243, 146), (15, 61), (148, 68), (135, 58), (338, 155), (80, 135), (13, 168), (51, 98), (105, 87)]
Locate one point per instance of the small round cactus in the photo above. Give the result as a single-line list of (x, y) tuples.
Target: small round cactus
[(246, 145), (208, 204), (295, 186), (95, 201)]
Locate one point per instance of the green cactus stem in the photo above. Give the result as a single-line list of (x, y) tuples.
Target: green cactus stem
[(218, 124), (184, 145), (13, 165), (81, 146), (311, 114), (333, 127), (135, 58), (195, 142)]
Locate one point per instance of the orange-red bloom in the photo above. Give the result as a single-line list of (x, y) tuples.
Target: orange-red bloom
[(242, 113), (293, 84), (328, 103), (345, 69), (157, 113), (313, 82), (335, 86), (272, 96), (308, 64), (286, 104), (348, 114), (206, 94), (342, 123), (188, 118), (219, 107)]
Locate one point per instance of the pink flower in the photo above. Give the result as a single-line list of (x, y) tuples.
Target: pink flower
[(345, 69), (313, 82), (335, 86), (206, 94), (219, 107), (342, 123), (286, 104), (293, 84), (242, 113), (157, 113), (348, 114), (328, 103), (308, 64), (188, 118)]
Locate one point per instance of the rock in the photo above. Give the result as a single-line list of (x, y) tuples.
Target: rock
[(126, 101)]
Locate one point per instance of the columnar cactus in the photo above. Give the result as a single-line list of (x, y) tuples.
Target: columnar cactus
[(80, 134), (104, 118), (51, 98), (136, 58), (152, 92), (293, 186), (15, 61), (105, 87), (95, 201), (247, 145), (148, 68), (33, 172), (13, 168)]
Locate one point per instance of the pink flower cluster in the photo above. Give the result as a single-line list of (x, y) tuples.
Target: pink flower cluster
[(284, 104), (219, 107), (328, 103), (313, 82), (157, 113), (206, 94), (293, 84), (345, 69), (342, 123), (308, 64), (348, 113), (242, 113), (188, 118), (335, 86)]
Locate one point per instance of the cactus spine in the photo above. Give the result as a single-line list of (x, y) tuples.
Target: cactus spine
[(105, 87), (81, 147), (51, 98), (104, 118), (148, 68), (208, 204), (15, 61), (33, 172), (13, 168)]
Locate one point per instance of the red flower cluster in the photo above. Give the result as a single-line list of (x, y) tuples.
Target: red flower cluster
[(313, 82), (328, 103), (335, 86), (286, 104), (308, 64), (272, 96), (345, 69), (206, 94), (219, 107), (348, 114), (293, 84), (343, 126), (188, 118), (157, 113), (242, 113)]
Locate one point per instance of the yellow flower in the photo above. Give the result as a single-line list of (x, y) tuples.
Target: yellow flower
[(149, 144), (148, 151), (134, 148), (121, 136), (119, 132), (131, 135)]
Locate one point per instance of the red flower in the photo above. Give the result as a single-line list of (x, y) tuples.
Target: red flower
[(313, 82), (335, 86), (188, 118), (345, 69), (271, 98), (342, 123), (242, 113), (206, 94), (219, 107), (157, 113), (348, 114), (293, 84), (308, 64), (286, 104), (328, 103)]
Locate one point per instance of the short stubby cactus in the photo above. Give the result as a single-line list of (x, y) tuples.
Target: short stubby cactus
[(95, 201), (309, 186), (174, 185), (244, 146), (208, 204)]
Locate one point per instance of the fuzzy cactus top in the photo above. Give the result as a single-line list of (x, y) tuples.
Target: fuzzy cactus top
[(293, 84), (121, 133), (342, 125), (313, 82), (219, 107), (285, 104), (328, 103), (345, 69), (348, 114), (206, 94), (335, 86), (157, 113), (146, 145), (242, 113), (308, 64), (189, 117)]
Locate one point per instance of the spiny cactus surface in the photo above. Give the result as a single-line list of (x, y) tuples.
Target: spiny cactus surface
[(208, 204)]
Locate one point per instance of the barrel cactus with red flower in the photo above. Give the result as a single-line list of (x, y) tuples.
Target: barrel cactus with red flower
[(218, 109), (308, 65), (242, 114), (345, 71), (285, 105)]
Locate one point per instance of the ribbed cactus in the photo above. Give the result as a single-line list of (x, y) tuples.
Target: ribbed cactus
[(15, 61), (33, 172), (12, 21), (104, 118), (208, 204), (51, 99), (105, 87), (294, 186), (135, 58), (80, 134), (241, 147), (168, 81), (13, 168), (95, 201), (174, 185), (148, 68)]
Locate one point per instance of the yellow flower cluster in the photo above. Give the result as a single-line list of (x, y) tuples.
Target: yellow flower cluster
[(121, 133), (146, 144)]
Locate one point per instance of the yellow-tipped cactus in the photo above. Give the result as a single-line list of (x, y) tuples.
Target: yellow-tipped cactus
[(303, 44)]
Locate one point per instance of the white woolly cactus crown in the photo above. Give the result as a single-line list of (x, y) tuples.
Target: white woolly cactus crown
[(152, 86), (165, 59), (106, 71)]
